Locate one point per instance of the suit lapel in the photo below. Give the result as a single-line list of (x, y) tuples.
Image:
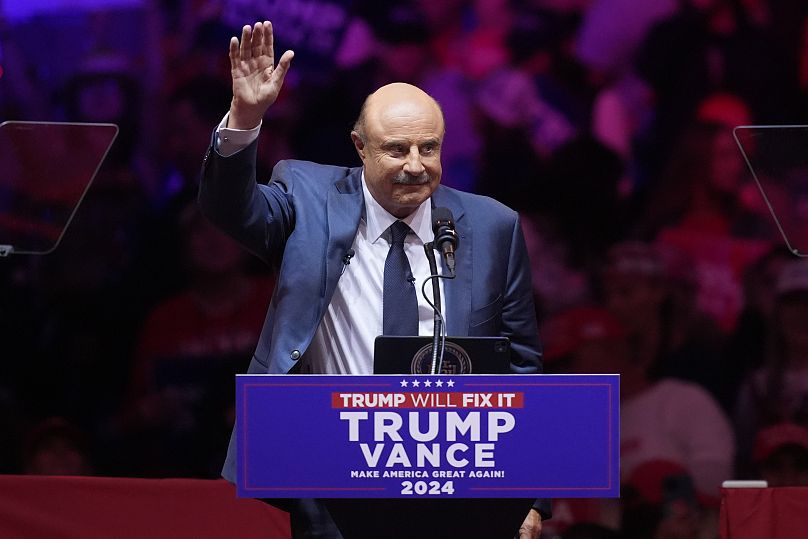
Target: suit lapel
[(344, 208), (457, 291)]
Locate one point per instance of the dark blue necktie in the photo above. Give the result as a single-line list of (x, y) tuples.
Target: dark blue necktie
[(400, 305)]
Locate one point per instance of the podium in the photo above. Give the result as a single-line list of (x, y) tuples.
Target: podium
[(427, 455)]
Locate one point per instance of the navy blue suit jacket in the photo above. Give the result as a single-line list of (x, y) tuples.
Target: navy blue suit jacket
[(305, 220)]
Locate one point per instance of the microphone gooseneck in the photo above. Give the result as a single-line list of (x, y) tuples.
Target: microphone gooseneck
[(438, 331), (446, 241)]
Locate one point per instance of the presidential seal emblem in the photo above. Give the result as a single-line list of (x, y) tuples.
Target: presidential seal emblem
[(455, 360)]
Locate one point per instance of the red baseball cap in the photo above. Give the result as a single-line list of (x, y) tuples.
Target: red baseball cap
[(568, 330), (769, 439), (648, 478)]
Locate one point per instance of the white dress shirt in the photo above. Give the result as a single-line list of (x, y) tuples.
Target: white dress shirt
[(343, 342)]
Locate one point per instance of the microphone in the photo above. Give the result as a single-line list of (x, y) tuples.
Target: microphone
[(446, 239), (349, 254)]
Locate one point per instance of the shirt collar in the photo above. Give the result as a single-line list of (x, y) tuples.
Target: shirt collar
[(378, 220)]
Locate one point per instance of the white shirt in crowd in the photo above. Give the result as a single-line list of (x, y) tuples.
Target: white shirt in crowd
[(678, 421)]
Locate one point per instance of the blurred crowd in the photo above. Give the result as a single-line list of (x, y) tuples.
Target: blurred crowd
[(606, 123)]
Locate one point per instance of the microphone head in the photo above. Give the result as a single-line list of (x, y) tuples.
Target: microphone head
[(441, 217), (444, 228)]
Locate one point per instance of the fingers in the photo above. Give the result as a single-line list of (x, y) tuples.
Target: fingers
[(233, 52), (245, 52), (257, 41), (286, 60), (283, 66), (269, 41), (531, 527)]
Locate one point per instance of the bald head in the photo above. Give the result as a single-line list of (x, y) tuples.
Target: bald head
[(398, 136), (396, 98)]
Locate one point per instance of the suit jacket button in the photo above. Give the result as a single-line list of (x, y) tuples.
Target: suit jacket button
[(295, 354)]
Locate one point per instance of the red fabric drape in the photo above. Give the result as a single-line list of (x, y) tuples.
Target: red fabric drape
[(773, 513), (34, 507)]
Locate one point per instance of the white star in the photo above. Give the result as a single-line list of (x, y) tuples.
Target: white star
[(416, 383), (403, 383), (428, 383), (439, 383), (450, 383)]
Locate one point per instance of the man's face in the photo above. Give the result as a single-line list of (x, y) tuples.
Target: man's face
[(401, 151)]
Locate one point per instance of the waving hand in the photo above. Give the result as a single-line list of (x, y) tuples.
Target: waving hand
[(257, 80)]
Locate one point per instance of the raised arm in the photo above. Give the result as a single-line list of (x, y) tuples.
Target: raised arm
[(257, 80), (258, 217)]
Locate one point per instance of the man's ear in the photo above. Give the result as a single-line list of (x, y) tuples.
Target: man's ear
[(359, 144)]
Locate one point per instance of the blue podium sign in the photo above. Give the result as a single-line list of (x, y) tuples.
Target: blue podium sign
[(407, 436)]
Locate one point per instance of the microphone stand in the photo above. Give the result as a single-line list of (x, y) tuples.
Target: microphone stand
[(438, 338)]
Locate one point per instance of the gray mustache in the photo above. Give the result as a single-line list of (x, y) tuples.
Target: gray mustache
[(408, 179)]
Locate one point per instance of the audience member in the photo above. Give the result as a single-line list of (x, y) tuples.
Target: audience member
[(700, 190), (399, 52), (666, 419), (781, 455), (557, 284), (708, 45), (659, 502), (778, 390), (212, 324), (191, 110), (747, 346), (89, 276), (698, 208), (611, 31), (652, 291), (56, 447)]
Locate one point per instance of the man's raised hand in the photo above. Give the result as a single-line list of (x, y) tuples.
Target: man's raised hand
[(257, 80)]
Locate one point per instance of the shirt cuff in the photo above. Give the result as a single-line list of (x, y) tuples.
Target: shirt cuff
[(230, 141)]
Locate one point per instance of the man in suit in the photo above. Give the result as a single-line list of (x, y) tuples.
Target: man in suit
[(332, 233)]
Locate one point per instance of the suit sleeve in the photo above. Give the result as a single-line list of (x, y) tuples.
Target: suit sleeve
[(259, 217), (518, 311)]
